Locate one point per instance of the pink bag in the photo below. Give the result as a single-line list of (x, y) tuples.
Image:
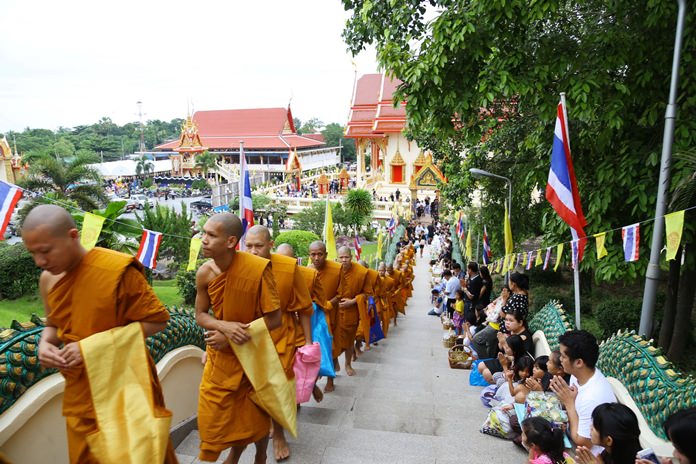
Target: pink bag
[(306, 368)]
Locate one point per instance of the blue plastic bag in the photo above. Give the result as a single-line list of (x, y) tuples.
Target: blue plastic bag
[(321, 334), (376, 333), (476, 379)]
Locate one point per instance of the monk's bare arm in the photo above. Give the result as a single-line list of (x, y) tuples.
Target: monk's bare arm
[(235, 331), (273, 319), (151, 328), (306, 324), (49, 353)]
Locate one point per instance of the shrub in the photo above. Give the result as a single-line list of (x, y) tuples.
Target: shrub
[(18, 273), (186, 283), (298, 239), (618, 313)]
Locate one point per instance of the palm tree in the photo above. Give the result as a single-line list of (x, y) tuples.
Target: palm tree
[(359, 206), (206, 162), (65, 181), (144, 166)]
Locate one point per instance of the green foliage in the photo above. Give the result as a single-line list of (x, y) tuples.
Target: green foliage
[(175, 227), (206, 162), (18, 273), (117, 233), (358, 204), (66, 179), (186, 283), (298, 239), (200, 184), (144, 166), (312, 219), (258, 201), (618, 314), (482, 80), (333, 135)]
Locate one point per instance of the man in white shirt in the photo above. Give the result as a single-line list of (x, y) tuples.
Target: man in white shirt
[(588, 387), (451, 288)]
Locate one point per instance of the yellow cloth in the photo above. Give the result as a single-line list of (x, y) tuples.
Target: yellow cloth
[(194, 249), (601, 250), (508, 234), (91, 228), (329, 238), (273, 392), (129, 429), (559, 254), (674, 224), (538, 261)]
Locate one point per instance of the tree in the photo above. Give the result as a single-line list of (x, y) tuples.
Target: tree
[(144, 166), (311, 126), (333, 135), (117, 233), (175, 227), (359, 206), (70, 180), (206, 162), (482, 81)]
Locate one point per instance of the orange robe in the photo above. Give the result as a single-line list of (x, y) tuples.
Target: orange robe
[(354, 282), (384, 303), (226, 414), (330, 278), (397, 297), (294, 299), (366, 321), (407, 287), (106, 290)]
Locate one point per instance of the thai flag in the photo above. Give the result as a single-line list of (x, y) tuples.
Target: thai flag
[(391, 226), (486, 247), (149, 246), (562, 187), (530, 260), (246, 207), (519, 259), (9, 196), (631, 242), (575, 252), (358, 248), (460, 226), (547, 258)]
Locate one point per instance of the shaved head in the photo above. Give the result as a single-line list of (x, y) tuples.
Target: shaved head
[(345, 257), (317, 245), (231, 225), (345, 249), (286, 249), (382, 266), (57, 220), (260, 232)]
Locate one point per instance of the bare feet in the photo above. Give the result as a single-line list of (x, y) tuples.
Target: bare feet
[(368, 347), (329, 385), (280, 445), (317, 394), (349, 370), (337, 366)]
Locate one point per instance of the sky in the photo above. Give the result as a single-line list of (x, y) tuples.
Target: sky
[(72, 63)]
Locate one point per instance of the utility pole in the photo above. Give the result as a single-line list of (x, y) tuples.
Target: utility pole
[(142, 134)]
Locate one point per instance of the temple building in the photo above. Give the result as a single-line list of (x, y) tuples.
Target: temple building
[(377, 127), (271, 143), (11, 167)]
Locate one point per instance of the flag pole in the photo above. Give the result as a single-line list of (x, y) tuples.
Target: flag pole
[(576, 270)]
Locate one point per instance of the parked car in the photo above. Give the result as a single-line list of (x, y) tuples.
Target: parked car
[(139, 201), (201, 206)]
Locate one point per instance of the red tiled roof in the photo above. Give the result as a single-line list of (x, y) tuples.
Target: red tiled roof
[(259, 128), (373, 113)]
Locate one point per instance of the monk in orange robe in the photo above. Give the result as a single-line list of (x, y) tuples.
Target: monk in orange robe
[(311, 278), (363, 334), (84, 293), (329, 273), (397, 297), (240, 289), (296, 309), (354, 282), (385, 306), (407, 283)]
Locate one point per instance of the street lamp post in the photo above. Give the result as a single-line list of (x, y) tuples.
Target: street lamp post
[(481, 173)]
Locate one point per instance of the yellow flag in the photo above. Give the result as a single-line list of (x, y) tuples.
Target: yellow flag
[(538, 261), (194, 248), (329, 239), (469, 250), (91, 228), (512, 262), (524, 259), (601, 250), (379, 244), (559, 253), (674, 223), (504, 266), (508, 234)]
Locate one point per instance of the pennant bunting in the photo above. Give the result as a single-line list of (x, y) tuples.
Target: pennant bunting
[(524, 260), (91, 228), (149, 246), (559, 254), (547, 258), (486, 247), (538, 261), (530, 260), (9, 196), (631, 242), (329, 238), (507, 233), (194, 249), (358, 248), (674, 224), (600, 240), (575, 250)]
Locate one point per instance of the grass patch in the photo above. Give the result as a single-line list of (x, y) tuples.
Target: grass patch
[(22, 308)]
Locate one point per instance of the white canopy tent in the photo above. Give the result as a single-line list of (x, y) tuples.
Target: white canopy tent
[(126, 168)]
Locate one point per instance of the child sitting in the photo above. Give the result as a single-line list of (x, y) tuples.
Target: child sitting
[(544, 443), (436, 300), (516, 378), (541, 378), (554, 366)]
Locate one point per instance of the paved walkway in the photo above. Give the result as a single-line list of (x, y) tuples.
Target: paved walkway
[(404, 405)]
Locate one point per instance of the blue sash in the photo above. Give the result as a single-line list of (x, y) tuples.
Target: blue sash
[(321, 334), (376, 333)]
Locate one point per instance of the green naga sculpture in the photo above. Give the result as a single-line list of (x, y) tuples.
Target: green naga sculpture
[(658, 389), (19, 361), (553, 321)]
